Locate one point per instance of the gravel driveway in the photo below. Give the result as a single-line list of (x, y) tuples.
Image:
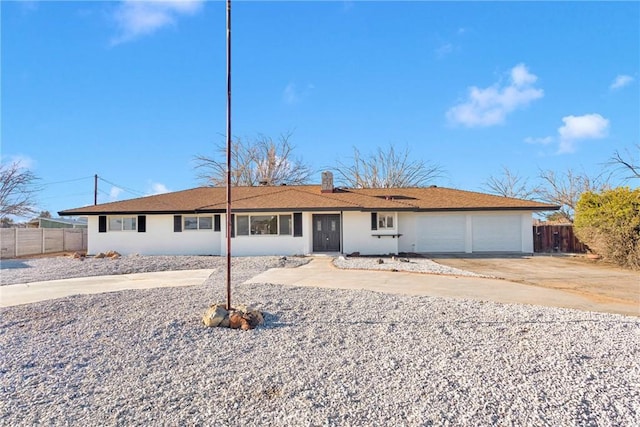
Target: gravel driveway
[(323, 357)]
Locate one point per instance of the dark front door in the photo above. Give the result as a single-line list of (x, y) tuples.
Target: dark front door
[(326, 233)]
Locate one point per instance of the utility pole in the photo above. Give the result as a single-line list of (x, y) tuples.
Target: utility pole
[(229, 155), (95, 189)]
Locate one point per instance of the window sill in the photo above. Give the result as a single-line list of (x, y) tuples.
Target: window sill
[(386, 235)]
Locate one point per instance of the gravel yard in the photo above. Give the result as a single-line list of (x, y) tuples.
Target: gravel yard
[(416, 265), (323, 357)]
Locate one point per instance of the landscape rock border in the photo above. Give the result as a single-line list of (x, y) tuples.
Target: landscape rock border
[(239, 317)]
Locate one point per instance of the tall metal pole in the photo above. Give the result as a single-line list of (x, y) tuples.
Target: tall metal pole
[(229, 155), (95, 189)]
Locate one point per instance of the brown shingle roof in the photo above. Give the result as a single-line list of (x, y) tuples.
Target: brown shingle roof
[(310, 198)]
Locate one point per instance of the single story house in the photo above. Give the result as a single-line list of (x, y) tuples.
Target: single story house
[(307, 219)]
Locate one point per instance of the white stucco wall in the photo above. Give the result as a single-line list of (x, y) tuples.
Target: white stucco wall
[(497, 231), (358, 236), (268, 244), (159, 239)]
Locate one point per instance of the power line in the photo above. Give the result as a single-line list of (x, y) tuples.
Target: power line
[(67, 180), (128, 190)]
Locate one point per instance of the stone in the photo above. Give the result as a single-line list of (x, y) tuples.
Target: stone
[(354, 254), (215, 315), (112, 255), (380, 261), (100, 255), (235, 320)]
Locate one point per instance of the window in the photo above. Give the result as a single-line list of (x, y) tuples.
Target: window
[(198, 223), (264, 224), (260, 225), (122, 223), (242, 225), (285, 225), (385, 221)]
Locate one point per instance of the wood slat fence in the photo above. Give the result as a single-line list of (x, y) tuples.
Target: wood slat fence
[(16, 242), (556, 238)]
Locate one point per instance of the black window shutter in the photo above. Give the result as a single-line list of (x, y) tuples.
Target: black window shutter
[(297, 224), (142, 223), (233, 225), (216, 223), (102, 224), (177, 223), (374, 221)]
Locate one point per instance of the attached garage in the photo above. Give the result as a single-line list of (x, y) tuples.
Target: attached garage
[(440, 233), (496, 233)]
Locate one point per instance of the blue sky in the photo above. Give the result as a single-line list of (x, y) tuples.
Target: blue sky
[(132, 91)]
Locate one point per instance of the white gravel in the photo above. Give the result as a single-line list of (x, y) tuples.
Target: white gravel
[(415, 265), (323, 357)]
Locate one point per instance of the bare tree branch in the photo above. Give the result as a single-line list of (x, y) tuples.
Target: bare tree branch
[(565, 189), (386, 169), (17, 190), (509, 184), (627, 163), (254, 162)]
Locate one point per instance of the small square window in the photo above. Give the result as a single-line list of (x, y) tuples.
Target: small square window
[(385, 221), (205, 223), (190, 223), (115, 224)]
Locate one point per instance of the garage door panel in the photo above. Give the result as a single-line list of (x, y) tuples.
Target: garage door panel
[(496, 233), (441, 233)]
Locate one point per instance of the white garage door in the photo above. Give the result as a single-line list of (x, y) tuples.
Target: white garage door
[(497, 233), (440, 233)]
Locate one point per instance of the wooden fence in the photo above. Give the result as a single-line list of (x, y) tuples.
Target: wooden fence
[(16, 242), (556, 238)]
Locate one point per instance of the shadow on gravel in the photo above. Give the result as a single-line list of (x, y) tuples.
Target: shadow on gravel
[(12, 263), (272, 321)]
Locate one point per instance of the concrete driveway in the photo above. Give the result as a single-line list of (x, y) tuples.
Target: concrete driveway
[(320, 272), (574, 274)]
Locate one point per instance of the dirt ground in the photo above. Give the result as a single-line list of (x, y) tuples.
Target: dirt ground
[(577, 274)]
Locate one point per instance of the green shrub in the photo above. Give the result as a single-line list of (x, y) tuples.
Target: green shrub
[(609, 224)]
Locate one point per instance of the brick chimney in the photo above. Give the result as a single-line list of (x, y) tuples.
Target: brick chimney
[(327, 182)]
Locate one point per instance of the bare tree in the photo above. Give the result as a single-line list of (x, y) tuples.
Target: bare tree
[(509, 184), (627, 163), (263, 161), (17, 190), (565, 189), (386, 169)]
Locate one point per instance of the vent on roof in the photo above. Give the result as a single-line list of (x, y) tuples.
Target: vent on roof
[(396, 197)]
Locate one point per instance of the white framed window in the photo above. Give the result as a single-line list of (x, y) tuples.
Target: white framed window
[(261, 225), (122, 223), (198, 222), (386, 221)]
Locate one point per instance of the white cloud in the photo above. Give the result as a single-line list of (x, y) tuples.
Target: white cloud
[(139, 18), (621, 81), (114, 193), (444, 49), (157, 188), (24, 161), (292, 94), (490, 106), (575, 128), (542, 141)]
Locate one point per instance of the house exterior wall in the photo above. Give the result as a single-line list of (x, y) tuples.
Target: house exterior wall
[(508, 231), (268, 244), (358, 236), (158, 239), (457, 232)]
